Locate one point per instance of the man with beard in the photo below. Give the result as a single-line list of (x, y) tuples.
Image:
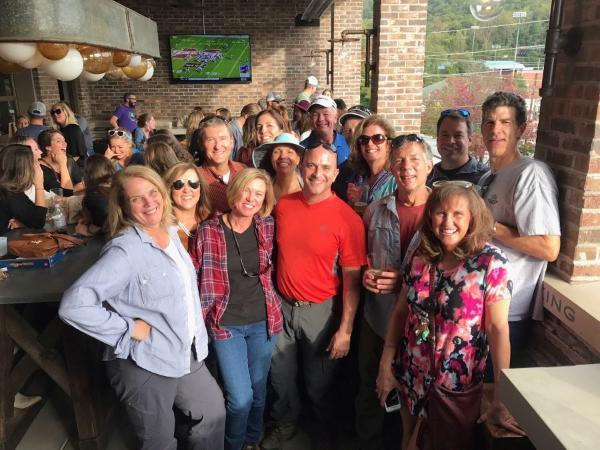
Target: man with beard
[(124, 115), (454, 130)]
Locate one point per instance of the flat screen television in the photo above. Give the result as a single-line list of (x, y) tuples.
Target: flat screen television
[(210, 58)]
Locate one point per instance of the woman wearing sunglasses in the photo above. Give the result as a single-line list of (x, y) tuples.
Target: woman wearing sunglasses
[(64, 118), (451, 311), (369, 160), (241, 307), (189, 195), (120, 149)]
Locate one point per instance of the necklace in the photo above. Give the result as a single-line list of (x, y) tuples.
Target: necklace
[(185, 229)]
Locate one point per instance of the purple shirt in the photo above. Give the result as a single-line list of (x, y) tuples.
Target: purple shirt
[(126, 117)]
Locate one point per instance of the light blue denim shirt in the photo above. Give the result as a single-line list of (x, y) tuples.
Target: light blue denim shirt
[(136, 279)]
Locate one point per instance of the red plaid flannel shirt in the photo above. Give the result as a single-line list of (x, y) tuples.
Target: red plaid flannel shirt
[(209, 254)]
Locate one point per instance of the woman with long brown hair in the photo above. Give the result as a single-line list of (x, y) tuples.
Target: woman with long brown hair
[(18, 171), (451, 311), (59, 169), (189, 195)]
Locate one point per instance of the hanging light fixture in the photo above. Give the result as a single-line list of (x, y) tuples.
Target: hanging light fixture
[(72, 38)]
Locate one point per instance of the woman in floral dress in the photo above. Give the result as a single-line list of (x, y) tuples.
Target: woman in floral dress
[(460, 280)]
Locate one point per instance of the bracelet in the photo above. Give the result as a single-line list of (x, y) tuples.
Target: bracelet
[(494, 227)]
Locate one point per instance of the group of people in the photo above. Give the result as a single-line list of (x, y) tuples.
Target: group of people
[(271, 270)]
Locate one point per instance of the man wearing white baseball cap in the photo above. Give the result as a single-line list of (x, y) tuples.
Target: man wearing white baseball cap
[(311, 84), (323, 115)]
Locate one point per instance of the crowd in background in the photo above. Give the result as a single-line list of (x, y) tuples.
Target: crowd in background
[(310, 242)]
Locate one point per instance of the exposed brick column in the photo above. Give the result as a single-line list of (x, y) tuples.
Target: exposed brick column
[(46, 88), (399, 52), (569, 140), (347, 64)]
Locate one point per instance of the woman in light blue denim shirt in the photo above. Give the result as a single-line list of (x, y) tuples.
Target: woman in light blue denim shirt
[(152, 322)]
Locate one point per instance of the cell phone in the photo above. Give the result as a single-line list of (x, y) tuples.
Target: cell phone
[(393, 401)]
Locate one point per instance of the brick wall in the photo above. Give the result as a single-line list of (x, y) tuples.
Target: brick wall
[(278, 57), (568, 139), (399, 50), (46, 88), (347, 56)]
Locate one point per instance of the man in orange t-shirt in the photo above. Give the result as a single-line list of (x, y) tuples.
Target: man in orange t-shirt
[(317, 235)]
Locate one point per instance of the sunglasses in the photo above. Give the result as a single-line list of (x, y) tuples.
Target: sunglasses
[(462, 112), (56, 112), (179, 184), (461, 183), (377, 139), (483, 188), (120, 133), (332, 148), (399, 141)]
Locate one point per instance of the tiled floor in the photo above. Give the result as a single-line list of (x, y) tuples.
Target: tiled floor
[(54, 428)]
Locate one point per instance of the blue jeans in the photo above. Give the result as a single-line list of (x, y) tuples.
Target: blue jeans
[(244, 363)]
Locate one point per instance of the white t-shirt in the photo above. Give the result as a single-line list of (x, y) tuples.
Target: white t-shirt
[(171, 250), (524, 195)]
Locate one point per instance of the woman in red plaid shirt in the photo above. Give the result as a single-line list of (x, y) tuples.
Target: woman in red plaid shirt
[(241, 308)]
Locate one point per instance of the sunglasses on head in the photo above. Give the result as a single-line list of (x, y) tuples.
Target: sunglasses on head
[(462, 112), (179, 184), (56, 112), (460, 183), (120, 133), (377, 139), (325, 145), (399, 141)]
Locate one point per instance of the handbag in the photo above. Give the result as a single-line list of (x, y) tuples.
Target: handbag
[(41, 245), (451, 421)]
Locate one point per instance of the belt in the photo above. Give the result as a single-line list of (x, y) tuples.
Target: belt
[(300, 303)]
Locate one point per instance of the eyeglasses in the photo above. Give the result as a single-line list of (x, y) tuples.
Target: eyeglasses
[(485, 186), (461, 183), (399, 141), (179, 184), (462, 112), (56, 112), (377, 139), (332, 148), (244, 270), (120, 133)]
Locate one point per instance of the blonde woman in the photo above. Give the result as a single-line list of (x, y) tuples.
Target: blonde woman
[(191, 125), (64, 118), (241, 308), (141, 301)]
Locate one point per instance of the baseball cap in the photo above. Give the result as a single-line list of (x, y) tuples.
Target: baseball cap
[(303, 105), (261, 151), (274, 97), (37, 109), (312, 80), (324, 101), (357, 111)]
